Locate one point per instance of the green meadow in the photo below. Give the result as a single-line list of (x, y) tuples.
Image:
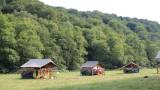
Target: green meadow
[(113, 80)]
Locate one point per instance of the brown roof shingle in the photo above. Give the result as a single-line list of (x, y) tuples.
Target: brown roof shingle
[(37, 63), (90, 64)]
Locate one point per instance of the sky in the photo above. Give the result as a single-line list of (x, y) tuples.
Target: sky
[(142, 9)]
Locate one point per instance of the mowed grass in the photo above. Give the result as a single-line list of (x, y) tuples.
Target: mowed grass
[(113, 80)]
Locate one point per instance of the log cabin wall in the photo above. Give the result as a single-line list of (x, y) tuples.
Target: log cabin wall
[(45, 73)]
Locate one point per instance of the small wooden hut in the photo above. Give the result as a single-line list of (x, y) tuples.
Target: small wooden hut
[(131, 68), (92, 68), (38, 68), (158, 61)]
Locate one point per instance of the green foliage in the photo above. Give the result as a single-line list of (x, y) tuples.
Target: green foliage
[(30, 29)]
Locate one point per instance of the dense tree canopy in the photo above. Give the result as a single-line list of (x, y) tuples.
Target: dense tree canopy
[(31, 29)]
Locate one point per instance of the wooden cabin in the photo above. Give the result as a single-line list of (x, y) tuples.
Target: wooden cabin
[(38, 68), (158, 61), (131, 68), (92, 68)]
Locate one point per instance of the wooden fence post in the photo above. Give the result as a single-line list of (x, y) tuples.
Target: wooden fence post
[(157, 68)]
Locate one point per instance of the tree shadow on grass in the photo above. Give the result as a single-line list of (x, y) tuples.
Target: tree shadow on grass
[(126, 84)]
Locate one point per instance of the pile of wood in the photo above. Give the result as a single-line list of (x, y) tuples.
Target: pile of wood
[(131, 68)]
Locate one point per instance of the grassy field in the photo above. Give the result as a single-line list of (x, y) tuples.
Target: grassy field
[(113, 80)]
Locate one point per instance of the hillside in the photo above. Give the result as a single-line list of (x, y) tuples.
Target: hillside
[(31, 29)]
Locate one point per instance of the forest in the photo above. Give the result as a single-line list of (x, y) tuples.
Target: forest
[(31, 29)]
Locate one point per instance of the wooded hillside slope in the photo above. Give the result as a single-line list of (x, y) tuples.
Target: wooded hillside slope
[(31, 29)]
